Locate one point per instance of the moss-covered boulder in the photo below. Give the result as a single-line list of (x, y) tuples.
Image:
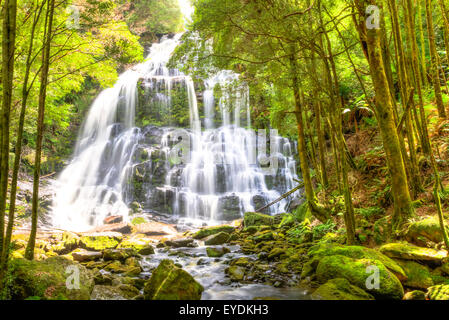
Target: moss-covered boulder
[(134, 243), (408, 251), (428, 228), (288, 220), (206, 232), (68, 243), (415, 295), (118, 254), (418, 275), (258, 219), (168, 282), (123, 268), (340, 289), (357, 272), (50, 279), (236, 273), (440, 292), (357, 252), (217, 239), (82, 255), (217, 252), (120, 292), (99, 241)]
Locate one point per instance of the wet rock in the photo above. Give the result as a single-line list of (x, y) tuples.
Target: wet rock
[(113, 220), (146, 250), (230, 208), (415, 295), (241, 262), (408, 251), (263, 236), (101, 240), (236, 273), (260, 201), (181, 243), (103, 292), (81, 255), (217, 252), (217, 239), (47, 279), (340, 289), (123, 228), (103, 278), (440, 292), (206, 232), (258, 219), (355, 271), (118, 254), (136, 244), (68, 243), (275, 253), (168, 282)]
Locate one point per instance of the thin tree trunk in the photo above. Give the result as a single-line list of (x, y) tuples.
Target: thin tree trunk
[(29, 252)]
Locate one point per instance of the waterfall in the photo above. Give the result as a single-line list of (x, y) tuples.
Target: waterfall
[(127, 150)]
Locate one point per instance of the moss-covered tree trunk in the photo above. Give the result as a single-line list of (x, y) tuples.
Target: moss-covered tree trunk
[(434, 61), (371, 41)]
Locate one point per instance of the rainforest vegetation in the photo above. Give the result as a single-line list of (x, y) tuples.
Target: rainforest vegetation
[(361, 87)]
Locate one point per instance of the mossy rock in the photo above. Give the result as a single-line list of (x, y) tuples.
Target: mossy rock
[(128, 270), (168, 282), (134, 243), (217, 239), (340, 289), (440, 292), (276, 253), (241, 262), (418, 275), (48, 279), (263, 236), (408, 251), (206, 232), (68, 243), (357, 252), (138, 220), (236, 273), (258, 219), (427, 228), (104, 292), (288, 220), (101, 240), (356, 272), (217, 252), (415, 295), (118, 254)]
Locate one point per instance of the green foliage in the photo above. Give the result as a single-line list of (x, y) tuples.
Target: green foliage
[(371, 212), (322, 229)]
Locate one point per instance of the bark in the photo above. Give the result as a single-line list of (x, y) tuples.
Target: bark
[(29, 252)]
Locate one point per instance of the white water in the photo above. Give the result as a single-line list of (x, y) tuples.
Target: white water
[(222, 164)]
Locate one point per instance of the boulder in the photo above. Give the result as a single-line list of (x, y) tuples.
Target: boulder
[(357, 252), (180, 243), (49, 279), (118, 254), (206, 232), (134, 243), (217, 239), (340, 289), (68, 243), (408, 251), (357, 272), (418, 275), (146, 251), (99, 241), (217, 252), (236, 273), (427, 228), (113, 219), (120, 292), (82, 255), (258, 219), (168, 282), (440, 292), (415, 295)]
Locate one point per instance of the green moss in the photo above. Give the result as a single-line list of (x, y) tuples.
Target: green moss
[(410, 252), (138, 220), (428, 228), (258, 219), (440, 292), (418, 276), (355, 271), (340, 289), (100, 242), (216, 252), (168, 282), (206, 232)]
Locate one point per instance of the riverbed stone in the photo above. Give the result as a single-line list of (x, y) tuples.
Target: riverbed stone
[(217, 252), (418, 275), (82, 255), (98, 241), (340, 289), (236, 273), (357, 272), (408, 251), (206, 232), (180, 243), (415, 295), (169, 282), (118, 254), (217, 239)]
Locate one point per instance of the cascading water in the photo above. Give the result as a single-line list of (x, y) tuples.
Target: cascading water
[(126, 154)]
